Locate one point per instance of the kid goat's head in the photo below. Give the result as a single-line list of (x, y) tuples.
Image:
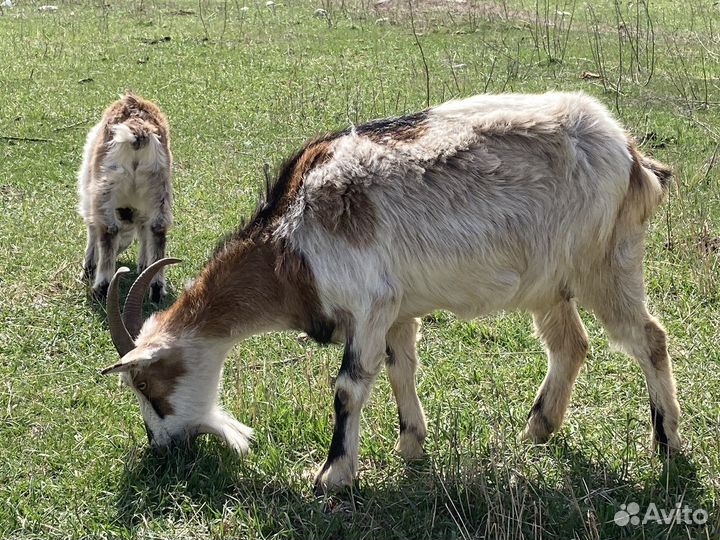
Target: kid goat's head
[(175, 375)]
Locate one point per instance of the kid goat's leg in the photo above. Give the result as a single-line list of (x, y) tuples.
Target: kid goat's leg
[(158, 235), (91, 254), (566, 344), (401, 364), (152, 248), (362, 360), (107, 254)]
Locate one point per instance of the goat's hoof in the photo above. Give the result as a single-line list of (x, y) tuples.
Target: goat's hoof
[(669, 446), (534, 434), (157, 291), (88, 273), (410, 447), (100, 291), (334, 477)]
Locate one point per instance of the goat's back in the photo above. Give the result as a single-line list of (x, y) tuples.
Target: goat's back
[(475, 205)]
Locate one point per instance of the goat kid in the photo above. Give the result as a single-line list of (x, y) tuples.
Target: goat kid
[(534, 202), (125, 190)]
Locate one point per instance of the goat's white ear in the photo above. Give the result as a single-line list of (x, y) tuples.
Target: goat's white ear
[(137, 358)]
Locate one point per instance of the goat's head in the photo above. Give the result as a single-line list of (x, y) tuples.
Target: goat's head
[(174, 375)]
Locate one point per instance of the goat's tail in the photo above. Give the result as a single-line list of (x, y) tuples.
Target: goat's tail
[(649, 183), (134, 131), (123, 134)]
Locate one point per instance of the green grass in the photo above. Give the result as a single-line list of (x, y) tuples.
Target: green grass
[(245, 87)]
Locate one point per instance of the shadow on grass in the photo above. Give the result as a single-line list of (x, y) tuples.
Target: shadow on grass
[(486, 497)]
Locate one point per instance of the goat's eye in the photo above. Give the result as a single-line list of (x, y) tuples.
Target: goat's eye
[(142, 386)]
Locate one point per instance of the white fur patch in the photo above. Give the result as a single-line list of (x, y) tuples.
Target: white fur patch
[(122, 134)]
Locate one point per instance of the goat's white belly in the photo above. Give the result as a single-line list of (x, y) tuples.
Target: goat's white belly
[(468, 292)]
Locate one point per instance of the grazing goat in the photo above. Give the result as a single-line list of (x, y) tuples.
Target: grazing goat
[(124, 187), (533, 202)]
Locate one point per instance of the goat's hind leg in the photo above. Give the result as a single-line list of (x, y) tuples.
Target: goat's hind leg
[(401, 364), (618, 299), (156, 239), (144, 249), (566, 344), (109, 239), (641, 335)]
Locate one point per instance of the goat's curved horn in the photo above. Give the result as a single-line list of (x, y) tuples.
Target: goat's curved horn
[(122, 339), (132, 312)]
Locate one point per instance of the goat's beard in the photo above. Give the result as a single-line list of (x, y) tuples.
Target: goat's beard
[(221, 424)]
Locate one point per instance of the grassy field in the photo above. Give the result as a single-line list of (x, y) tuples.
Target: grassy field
[(245, 83)]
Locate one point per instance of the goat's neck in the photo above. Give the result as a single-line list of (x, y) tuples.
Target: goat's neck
[(237, 294)]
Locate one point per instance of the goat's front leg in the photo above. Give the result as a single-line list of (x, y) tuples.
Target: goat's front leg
[(360, 365), (362, 360), (108, 242)]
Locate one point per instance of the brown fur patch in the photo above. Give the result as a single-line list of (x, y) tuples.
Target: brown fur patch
[(662, 171), (402, 134), (314, 154), (251, 285), (345, 210), (251, 279), (644, 193), (160, 379), (237, 287), (636, 174), (657, 343)]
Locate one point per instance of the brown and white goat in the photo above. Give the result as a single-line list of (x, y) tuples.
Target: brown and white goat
[(125, 190), (533, 202)]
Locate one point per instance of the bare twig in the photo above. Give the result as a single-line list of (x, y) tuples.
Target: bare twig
[(26, 139), (422, 56), (290, 360), (490, 75), (70, 126), (711, 164), (202, 20)]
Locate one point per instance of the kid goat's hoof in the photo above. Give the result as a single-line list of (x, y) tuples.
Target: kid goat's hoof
[(157, 292), (100, 291)]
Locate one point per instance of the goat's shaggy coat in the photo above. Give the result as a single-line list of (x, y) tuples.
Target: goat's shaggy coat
[(125, 190), (530, 202)]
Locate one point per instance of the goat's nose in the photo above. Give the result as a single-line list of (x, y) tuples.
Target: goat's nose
[(149, 433)]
